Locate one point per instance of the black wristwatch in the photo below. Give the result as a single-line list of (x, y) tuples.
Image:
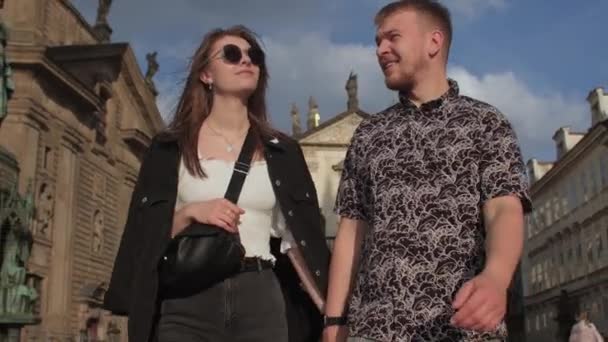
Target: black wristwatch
[(339, 320)]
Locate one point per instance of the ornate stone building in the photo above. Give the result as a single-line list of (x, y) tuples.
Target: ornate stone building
[(78, 121), (324, 145), (565, 263)]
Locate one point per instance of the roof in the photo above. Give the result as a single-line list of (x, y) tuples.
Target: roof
[(330, 122)]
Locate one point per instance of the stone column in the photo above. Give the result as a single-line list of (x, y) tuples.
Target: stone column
[(60, 279), (21, 136)]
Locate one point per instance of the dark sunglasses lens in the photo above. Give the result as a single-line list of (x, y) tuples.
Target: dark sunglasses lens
[(232, 53), (256, 56)]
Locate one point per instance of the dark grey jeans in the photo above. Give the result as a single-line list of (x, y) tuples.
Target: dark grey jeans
[(246, 308)]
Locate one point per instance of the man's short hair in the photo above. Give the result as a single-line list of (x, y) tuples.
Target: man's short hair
[(431, 8)]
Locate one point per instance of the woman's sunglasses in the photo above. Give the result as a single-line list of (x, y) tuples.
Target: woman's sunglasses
[(233, 54)]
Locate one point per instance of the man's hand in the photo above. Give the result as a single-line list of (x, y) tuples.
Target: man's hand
[(480, 304), (335, 333)]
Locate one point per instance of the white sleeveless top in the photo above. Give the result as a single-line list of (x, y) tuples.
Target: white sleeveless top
[(262, 218)]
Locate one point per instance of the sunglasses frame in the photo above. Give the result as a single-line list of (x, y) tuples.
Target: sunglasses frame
[(222, 54)]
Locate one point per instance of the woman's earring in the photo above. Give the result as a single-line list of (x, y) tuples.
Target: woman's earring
[(210, 86)]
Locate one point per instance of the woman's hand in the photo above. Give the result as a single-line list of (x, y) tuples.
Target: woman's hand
[(219, 212)]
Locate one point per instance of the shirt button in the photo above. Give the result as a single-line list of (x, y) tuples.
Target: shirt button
[(303, 243), (164, 258), (277, 182), (307, 195), (144, 200), (318, 273), (290, 213)]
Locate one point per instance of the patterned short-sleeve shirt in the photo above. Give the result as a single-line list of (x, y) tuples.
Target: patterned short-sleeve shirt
[(419, 177)]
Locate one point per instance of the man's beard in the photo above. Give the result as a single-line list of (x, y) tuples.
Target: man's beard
[(407, 79), (404, 83)]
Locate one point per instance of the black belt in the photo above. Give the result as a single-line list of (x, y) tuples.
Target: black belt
[(255, 264)]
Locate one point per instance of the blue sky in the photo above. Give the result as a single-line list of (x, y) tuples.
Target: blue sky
[(536, 60)]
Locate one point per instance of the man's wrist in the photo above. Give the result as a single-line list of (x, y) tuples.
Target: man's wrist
[(499, 276)]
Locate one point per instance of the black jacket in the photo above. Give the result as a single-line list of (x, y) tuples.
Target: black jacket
[(133, 288)]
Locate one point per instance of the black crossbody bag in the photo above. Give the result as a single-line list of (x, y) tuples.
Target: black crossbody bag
[(202, 255)]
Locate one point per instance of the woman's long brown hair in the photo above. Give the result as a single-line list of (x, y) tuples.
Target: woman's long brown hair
[(196, 101)]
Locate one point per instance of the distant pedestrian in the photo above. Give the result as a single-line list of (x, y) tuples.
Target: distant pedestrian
[(584, 330)]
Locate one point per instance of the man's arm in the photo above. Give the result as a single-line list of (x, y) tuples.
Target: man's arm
[(482, 301), (342, 272), (504, 221)]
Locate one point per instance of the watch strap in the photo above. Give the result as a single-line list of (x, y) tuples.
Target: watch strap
[(334, 320)]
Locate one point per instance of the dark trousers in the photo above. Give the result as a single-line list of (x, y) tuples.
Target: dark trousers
[(248, 307)]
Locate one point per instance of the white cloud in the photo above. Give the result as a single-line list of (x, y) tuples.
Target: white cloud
[(534, 115), (304, 64), (474, 7), (313, 65), (469, 8)]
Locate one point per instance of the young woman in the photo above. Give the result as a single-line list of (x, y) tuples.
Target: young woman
[(278, 293)]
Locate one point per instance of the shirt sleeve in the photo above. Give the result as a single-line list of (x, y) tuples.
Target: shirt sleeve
[(279, 229), (350, 199), (502, 169)]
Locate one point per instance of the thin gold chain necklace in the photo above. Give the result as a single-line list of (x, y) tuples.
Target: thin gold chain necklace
[(229, 144)]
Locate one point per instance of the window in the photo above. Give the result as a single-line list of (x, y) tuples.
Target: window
[(548, 274), (557, 210), (585, 187), (540, 219), (540, 276), (563, 196), (594, 178), (533, 279), (604, 169), (47, 156), (571, 196)]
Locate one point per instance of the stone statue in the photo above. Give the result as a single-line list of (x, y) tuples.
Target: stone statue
[(313, 113), (12, 274), (7, 87), (97, 231), (295, 120), (102, 12), (152, 70), (351, 90), (44, 210)]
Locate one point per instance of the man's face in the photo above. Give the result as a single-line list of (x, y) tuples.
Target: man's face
[(401, 48)]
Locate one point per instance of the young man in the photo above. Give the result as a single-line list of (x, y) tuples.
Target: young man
[(432, 201)]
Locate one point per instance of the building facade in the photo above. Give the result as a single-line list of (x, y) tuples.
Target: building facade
[(565, 262), (80, 117), (324, 145)]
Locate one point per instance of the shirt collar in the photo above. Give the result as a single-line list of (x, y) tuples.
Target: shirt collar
[(452, 93)]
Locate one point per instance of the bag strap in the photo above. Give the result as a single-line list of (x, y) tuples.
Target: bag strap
[(241, 168)]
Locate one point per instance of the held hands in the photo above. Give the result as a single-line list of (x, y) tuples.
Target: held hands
[(480, 303), (219, 212)]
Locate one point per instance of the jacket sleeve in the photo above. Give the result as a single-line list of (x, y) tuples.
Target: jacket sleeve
[(117, 298)]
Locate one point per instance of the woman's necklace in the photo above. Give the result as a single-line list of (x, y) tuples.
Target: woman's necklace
[(229, 144)]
